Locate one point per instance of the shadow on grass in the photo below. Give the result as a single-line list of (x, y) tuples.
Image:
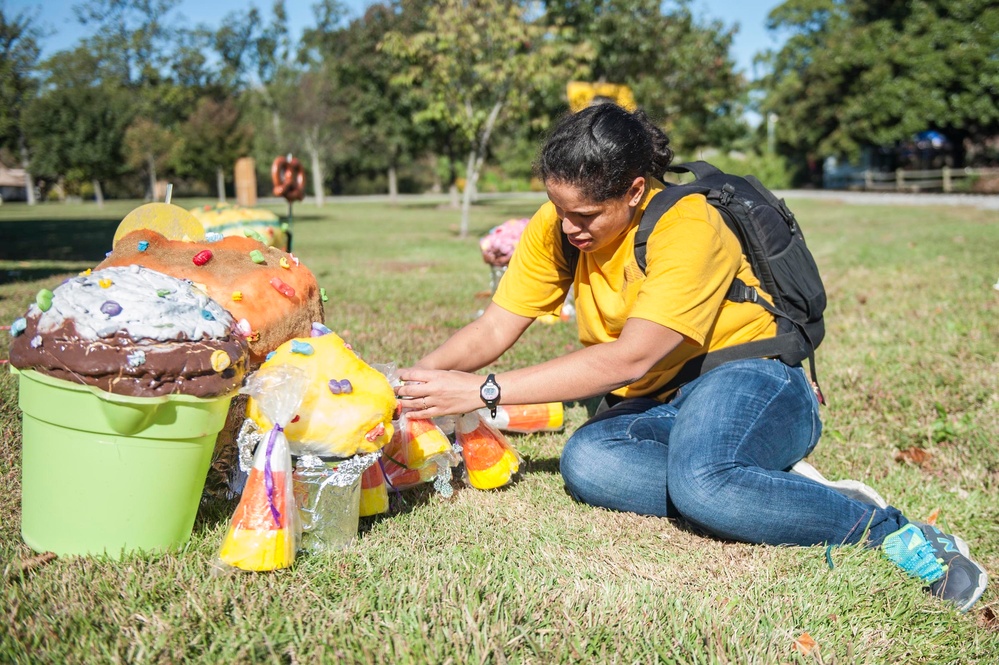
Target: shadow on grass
[(59, 240), (544, 465), (31, 273)]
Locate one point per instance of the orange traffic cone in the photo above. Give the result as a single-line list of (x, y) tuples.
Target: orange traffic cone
[(374, 493), (262, 534), (489, 460)]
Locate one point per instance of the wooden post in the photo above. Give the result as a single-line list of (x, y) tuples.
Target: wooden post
[(246, 182), (899, 179), (868, 180), (947, 185)]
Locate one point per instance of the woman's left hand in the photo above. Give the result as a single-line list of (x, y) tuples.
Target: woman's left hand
[(428, 393)]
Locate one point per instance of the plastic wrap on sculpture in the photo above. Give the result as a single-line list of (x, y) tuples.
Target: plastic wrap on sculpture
[(265, 528), (526, 418), (328, 494), (419, 452), (490, 461)]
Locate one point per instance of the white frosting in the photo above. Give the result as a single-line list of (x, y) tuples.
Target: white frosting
[(144, 314)]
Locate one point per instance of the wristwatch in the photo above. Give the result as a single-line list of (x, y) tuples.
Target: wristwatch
[(489, 392)]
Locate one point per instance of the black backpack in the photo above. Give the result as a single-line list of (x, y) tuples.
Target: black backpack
[(775, 248)]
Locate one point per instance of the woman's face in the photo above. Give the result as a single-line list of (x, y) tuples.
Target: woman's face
[(591, 225)]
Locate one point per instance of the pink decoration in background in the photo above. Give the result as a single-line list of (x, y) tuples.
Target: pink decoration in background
[(497, 246)]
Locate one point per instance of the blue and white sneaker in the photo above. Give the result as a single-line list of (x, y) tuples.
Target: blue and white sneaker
[(939, 559)]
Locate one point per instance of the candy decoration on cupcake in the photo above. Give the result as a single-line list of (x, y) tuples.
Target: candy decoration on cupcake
[(282, 288), (44, 300)]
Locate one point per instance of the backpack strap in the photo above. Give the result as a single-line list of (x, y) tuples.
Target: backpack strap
[(699, 169), (657, 207)]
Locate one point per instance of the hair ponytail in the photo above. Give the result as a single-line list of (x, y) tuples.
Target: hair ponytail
[(662, 154), (602, 149)]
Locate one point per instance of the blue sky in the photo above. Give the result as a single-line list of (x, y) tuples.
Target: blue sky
[(58, 17)]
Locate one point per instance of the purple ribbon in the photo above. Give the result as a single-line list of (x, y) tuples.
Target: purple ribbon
[(269, 475)]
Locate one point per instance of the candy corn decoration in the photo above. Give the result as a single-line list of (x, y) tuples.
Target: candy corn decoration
[(526, 418), (425, 440), (262, 531), (374, 492), (415, 454), (489, 460)]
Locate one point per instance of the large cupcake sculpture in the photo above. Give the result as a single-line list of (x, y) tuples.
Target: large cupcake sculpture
[(126, 376), (132, 331)]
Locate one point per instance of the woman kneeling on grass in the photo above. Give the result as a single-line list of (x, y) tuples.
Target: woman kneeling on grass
[(717, 451)]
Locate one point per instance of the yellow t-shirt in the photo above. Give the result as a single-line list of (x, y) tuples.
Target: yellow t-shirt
[(691, 260)]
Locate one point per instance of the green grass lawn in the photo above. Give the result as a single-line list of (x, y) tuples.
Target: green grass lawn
[(524, 574)]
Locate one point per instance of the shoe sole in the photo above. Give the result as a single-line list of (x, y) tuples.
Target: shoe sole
[(853, 489), (983, 577)]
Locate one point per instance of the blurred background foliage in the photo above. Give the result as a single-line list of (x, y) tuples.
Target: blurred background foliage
[(431, 95)]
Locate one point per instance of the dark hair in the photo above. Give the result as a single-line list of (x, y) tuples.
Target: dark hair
[(602, 149)]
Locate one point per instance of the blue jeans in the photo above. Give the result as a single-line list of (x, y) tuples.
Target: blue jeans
[(717, 455)]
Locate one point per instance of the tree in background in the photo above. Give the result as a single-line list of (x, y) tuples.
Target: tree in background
[(211, 140), (476, 64), (19, 54), (148, 146), (855, 72), (679, 70), (76, 126), (380, 115)]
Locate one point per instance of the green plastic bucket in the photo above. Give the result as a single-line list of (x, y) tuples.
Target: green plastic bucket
[(110, 474)]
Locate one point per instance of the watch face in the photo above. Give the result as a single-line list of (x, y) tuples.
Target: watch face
[(489, 391)]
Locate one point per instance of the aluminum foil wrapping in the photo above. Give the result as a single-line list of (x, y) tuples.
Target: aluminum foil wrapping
[(328, 494)]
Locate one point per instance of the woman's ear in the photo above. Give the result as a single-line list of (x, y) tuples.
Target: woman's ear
[(636, 192)]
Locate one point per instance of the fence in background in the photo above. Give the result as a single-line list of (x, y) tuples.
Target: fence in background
[(938, 180)]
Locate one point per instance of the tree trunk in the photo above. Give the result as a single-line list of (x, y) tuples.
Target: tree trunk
[(151, 161), (276, 125), (29, 181), (98, 193), (312, 147), (220, 183), (393, 184), (476, 158), (466, 199), (452, 177), (436, 186)]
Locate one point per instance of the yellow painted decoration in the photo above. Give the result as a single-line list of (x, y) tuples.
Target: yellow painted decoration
[(339, 425), (582, 94), (237, 296), (220, 360), (105, 283), (284, 263), (169, 220), (85, 273)]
